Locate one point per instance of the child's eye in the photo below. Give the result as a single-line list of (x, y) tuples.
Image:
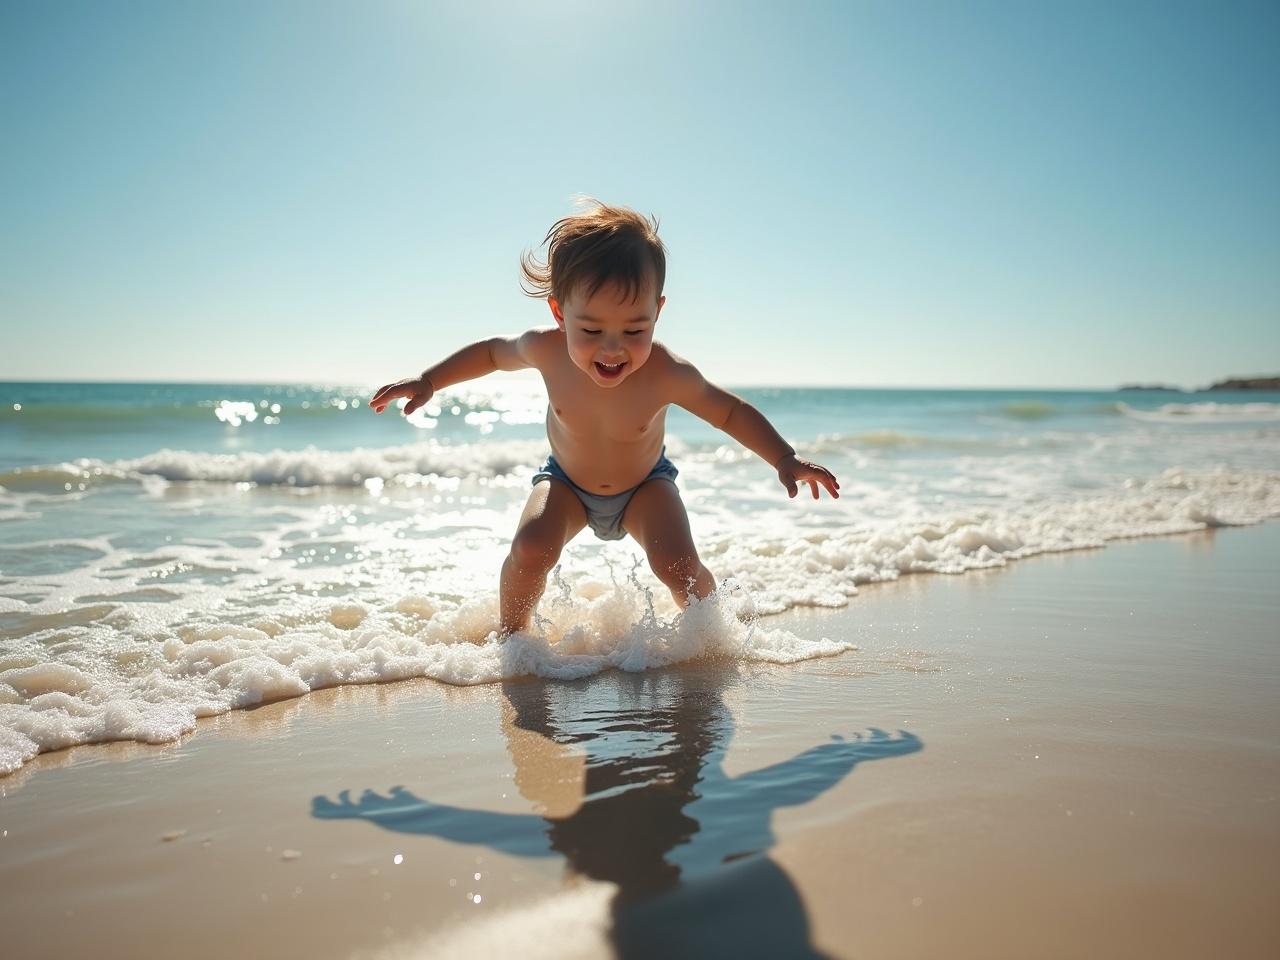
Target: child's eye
[(590, 333), (634, 333)]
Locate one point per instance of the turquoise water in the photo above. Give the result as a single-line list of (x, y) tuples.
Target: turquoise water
[(171, 551), (65, 421)]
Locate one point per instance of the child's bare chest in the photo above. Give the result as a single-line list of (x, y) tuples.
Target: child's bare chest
[(580, 410), (620, 417)]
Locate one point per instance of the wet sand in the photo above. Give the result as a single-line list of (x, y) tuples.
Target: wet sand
[(1075, 756)]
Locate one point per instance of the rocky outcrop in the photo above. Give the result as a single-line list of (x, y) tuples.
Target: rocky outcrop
[(1248, 383)]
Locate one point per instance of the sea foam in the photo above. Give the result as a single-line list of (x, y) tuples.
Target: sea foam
[(97, 652), (117, 685), (824, 568), (309, 467)]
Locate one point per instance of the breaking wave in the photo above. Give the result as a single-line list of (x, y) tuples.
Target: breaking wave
[(294, 468)]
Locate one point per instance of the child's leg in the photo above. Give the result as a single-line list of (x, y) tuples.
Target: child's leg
[(551, 518), (655, 516)]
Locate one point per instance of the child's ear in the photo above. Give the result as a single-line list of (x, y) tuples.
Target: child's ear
[(556, 312), (658, 312)]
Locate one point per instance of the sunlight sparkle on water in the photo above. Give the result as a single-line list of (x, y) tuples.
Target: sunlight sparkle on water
[(235, 412)]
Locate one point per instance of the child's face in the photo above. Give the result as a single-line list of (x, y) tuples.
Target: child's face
[(609, 335)]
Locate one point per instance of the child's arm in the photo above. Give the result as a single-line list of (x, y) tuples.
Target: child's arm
[(469, 363), (748, 426)]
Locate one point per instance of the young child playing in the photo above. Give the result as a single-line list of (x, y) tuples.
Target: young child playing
[(609, 384)]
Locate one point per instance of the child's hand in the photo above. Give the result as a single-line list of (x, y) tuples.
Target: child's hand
[(793, 471), (417, 389)]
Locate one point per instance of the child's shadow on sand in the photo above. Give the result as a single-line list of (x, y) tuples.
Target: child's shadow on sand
[(649, 808)]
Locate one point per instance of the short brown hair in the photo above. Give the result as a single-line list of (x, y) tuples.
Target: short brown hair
[(600, 245)]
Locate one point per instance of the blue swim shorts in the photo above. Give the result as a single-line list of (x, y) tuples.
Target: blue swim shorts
[(604, 513)]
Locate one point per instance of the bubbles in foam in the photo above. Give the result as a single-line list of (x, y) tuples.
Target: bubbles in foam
[(824, 569), (35, 681), (102, 689)]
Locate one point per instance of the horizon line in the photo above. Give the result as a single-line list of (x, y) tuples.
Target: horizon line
[(320, 381), (733, 386)]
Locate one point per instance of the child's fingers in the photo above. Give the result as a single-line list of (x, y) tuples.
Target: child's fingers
[(790, 484), (821, 475), (379, 403), (828, 480), (389, 392)]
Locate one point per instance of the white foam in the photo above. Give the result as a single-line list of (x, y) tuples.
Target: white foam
[(309, 467), (824, 568), (96, 666), (32, 682), (101, 689), (312, 467)]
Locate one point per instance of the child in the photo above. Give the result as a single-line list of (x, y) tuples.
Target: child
[(609, 384)]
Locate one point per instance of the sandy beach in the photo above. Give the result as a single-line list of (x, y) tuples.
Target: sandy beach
[(1074, 756), (379, 382)]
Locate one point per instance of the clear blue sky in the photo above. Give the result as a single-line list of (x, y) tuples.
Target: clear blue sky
[(887, 193)]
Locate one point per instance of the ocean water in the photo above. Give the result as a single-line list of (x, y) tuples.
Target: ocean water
[(173, 551)]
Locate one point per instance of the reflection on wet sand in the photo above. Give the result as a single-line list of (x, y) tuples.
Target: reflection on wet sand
[(625, 773)]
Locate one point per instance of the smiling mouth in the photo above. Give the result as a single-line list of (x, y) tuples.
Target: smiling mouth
[(610, 370)]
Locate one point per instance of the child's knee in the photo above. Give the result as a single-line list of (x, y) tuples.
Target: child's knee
[(533, 550)]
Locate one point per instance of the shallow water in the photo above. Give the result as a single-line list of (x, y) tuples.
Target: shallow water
[(175, 551)]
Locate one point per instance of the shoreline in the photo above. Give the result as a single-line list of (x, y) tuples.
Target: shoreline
[(767, 620), (1077, 759)]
